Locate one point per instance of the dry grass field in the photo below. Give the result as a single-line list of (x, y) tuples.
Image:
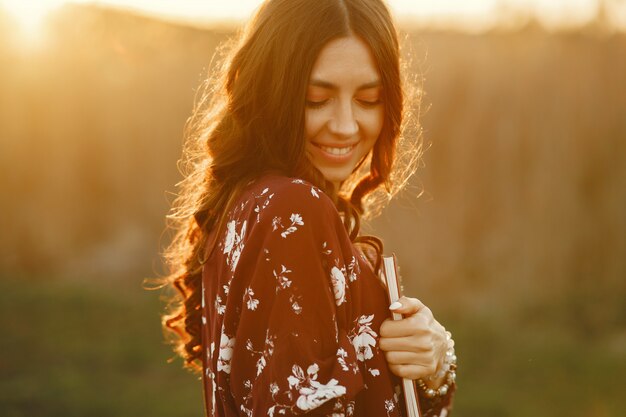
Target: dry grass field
[(517, 243)]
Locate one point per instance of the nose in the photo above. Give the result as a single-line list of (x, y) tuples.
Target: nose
[(343, 123)]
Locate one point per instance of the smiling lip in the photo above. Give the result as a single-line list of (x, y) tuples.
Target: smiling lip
[(336, 153), (335, 150)]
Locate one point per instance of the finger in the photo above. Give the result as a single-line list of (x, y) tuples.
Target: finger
[(400, 328), (411, 371), (406, 344), (406, 305), (409, 358)]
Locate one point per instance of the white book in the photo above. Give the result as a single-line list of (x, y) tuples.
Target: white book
[(395, 292)]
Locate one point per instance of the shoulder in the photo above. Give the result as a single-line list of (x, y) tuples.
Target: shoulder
[(273, 197), (288, 192)]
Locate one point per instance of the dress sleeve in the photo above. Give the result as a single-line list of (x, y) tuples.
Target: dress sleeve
[(292, 354)]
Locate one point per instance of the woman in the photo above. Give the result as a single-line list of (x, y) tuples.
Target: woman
[(280, 304)]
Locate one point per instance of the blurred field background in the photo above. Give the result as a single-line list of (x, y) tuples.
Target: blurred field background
[(518, 243)]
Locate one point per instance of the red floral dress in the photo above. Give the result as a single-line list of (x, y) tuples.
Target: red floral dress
[(291, 312)]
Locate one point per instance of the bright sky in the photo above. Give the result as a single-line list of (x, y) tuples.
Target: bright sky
[(466, 13)]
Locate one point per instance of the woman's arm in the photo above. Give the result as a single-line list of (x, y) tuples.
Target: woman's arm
[(292, 357)]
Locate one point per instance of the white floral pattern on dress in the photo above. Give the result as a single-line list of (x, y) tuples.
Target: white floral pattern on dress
[(296, 220), (312, 392), (350, 409), (262, 205), (341, 358), (339, 285), (295, 303), (219, 307), (251, 302), (363, 338), (325, 249), (264, 355), (353, 269), (245, 410), (226, 353), (282, 281), (234, 242), (389, 406), (210, 374)]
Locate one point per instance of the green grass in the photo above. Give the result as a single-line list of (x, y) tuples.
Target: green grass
[(68, 351), (71, 350), (512, 368)]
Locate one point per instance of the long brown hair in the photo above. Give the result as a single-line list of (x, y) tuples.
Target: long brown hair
[(250, 120)]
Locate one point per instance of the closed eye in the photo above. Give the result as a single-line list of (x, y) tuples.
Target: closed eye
[(316, 104), (369, 103)]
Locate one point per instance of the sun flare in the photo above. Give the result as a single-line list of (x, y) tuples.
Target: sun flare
[(29, 15)]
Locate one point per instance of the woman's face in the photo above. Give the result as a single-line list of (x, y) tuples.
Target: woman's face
[(344, 113)]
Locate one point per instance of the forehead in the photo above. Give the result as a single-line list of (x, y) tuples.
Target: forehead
[(345, 61)]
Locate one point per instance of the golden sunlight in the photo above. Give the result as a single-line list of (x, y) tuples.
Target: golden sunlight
[(470, 14), (29, 15)]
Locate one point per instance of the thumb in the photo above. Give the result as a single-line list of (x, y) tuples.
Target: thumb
[(406, 305)]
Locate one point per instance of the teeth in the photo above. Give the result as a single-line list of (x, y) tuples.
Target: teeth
[(337, 151)]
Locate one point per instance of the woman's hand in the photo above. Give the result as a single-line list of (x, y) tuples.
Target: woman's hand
[(414, 346)]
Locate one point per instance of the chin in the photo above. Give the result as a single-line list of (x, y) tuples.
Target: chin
[(334, 177)]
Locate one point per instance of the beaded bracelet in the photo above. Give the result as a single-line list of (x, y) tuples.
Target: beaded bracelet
[(448, 369)]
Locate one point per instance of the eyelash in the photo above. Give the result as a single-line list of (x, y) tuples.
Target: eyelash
[(320, 104), (316, 104), (369, 103)]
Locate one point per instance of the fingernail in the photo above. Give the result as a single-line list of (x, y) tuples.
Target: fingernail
[(395, 305)]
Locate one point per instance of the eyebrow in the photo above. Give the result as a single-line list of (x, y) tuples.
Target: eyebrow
[(331, 86)]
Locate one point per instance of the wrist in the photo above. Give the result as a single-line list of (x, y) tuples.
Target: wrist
[(440, 382), (434, 383), (447, 356)]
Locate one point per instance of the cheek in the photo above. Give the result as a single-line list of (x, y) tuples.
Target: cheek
[(373, 124), (313, 122)]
